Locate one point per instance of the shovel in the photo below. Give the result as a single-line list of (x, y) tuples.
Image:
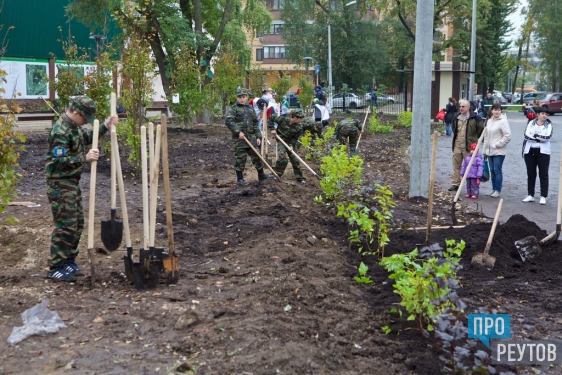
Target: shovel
[(92, 206), (112, 230), (171, 269), (529, 247), (362, 128), (453, 208), (261, 158), (435, 246), (298, 157), (129, 257), (485, 259), (144, 276)]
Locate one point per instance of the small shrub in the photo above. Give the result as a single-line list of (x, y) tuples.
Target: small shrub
[(405, 119), (426, 283), (375, 126)]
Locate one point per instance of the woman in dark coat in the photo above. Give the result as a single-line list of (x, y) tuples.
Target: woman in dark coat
[(450, 110)]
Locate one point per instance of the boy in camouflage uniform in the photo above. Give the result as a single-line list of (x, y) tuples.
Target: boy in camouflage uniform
[(242, 121), (348, 129), (65, 162), (312, 126), (290, 131)]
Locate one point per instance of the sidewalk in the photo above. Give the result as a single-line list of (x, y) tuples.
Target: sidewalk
[(514, 187)]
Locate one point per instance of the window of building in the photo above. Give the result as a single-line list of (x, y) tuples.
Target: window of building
[(259, 54), (274, 52), (275, 4), (276, 29)]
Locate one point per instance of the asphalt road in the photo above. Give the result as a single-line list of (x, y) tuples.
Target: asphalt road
[(514, 187)]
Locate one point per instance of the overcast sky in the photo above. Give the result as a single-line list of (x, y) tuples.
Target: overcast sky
[(517, 21)]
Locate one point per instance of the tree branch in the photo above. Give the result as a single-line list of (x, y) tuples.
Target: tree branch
[(403, 21)]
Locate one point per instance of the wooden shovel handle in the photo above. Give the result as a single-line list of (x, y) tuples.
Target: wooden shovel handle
[(362, 127), (167, 192), (494, 225), (431, 188), (94, 168), (144, 163), (261, 158), (115, 147), (113, 109), (298, 157), (154, 186)]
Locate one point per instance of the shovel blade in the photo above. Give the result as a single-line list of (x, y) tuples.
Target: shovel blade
[(145, 273), (171, 269), (484, 259), (528, 248), (112, 232)]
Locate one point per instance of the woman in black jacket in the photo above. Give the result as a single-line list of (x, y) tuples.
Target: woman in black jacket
[(450, 109)]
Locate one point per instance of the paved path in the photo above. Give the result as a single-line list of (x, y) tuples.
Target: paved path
[(514, 187)]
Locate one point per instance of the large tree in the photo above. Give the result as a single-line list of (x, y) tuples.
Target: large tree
[(546, 25), (170, 26), (359, 54)]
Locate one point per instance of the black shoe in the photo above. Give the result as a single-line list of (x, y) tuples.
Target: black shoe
[(240, 178), (72, 268), (60, 274), (301, 181), (453, 188), (263, 176)]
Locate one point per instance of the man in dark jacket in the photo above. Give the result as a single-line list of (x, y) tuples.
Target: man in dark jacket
[(467, 128), (487, 103)]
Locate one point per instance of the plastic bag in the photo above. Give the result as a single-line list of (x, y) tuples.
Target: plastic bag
[(37, 320), (440, 115)]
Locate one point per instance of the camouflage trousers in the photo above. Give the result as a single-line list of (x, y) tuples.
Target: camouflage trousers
[(65, 198), (241, 153), (284, 157), (353, 136)]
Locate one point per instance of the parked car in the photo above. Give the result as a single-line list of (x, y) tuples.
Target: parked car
[(293, 99), (351, 101), (507, 96), (553, 102), (381, 98), (527, 93), (529, 98)]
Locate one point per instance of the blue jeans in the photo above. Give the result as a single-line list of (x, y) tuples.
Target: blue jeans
[(448, 128), (495, 163)]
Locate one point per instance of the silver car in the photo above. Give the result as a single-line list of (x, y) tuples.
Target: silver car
[(351, 101)]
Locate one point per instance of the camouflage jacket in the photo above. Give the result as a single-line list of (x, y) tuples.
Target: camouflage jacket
[(308, 123), (288, 132), (66, 156), (242, 118), (346, 127)]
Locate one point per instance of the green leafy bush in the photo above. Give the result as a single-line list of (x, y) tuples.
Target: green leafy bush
[(425, 282), (363, 278), (405, 119), (375, 126)]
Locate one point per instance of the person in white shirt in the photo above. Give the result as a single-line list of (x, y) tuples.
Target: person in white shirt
[(536, 152)]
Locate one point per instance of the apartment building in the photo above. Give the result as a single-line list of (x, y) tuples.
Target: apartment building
[(268, 51)]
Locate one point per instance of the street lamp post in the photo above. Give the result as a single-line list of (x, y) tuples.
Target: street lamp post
[(97, 38), (330, 83), (306, 62), (472, 53)]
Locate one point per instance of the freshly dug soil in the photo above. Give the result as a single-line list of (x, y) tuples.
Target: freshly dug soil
[(266, 275)]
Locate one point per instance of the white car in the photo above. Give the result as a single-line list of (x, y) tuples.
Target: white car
[(381, 98), (351, 101)]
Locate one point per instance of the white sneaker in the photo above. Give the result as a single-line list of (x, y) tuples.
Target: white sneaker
[(529, 198), (543, 200), (490, 193), (495, 194)]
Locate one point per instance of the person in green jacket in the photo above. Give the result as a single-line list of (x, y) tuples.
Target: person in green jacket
[(65, 161)]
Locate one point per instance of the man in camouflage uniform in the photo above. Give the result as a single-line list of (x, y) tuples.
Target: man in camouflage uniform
[(348, 129), (312, 126), (65, 162), (242, 121), (290, 130)]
